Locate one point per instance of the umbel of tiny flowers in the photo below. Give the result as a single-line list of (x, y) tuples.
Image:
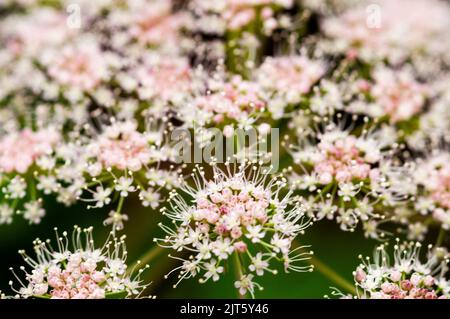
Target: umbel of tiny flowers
[(287, 79), (406, 277), (76, 269), (21, 152), (239, 213), (432, 177), (420, 30), (349, 177), (238, 14), (124, 159), (389, 94)]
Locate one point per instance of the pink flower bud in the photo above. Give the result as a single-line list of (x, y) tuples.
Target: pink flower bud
[(415, 279), (216, 198), (387, 287), (360, 275), (406, 285), (428, 281), (240, 246), (396, 275), (236, 232), (430, 295)]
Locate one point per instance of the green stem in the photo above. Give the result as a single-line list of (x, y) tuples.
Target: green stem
[(14, 204), (239, 272), (324, 191), (32, 188), (147, 257), (332, 275), (120, 205), (440, 238), (98, 181)]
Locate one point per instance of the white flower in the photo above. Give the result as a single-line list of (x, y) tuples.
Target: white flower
[(347, 191), (16, 188), (33, 212), (258, 264), (48, 184), (102, 196), (116, 219), (115, 267), (424, 205), (204, 250), (212, 270), (245, 284), (281, 244), (417, 231), (46, 162), (255, 233), (124, 185), (149, 198), (6, 214), (222, 248)]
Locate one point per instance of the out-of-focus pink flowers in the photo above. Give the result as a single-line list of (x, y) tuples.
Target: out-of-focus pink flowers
[(290, 75), (33, 33), (121, 146), (407, 277), (398, 93), (239, 13), (433, 178), (397, 30), (155, 24), (237, 99), (20, 150), (287, 79), (164, 79), (82, 66)]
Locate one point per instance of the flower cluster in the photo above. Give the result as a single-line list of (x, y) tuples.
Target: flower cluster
[(407, 277), (230, 15), (98, 163), (75, 116), (20, 150), (395, 30), (287, 79), (395, 95), (102, 104), (235, 214), (348, 177), (432, 176), (84, 272), (228, 104)]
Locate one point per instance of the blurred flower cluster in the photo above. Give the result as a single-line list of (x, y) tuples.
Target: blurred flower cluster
[(101, 102)]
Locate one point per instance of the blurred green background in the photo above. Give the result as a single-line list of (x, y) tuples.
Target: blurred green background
[(338, 249)]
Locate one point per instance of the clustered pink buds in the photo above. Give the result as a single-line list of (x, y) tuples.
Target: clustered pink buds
[(242, 122), (121, 146), (432, 176), (238, 214), (19, 151), (86, 272), (406, 278), (379, 33), (346, 174)]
